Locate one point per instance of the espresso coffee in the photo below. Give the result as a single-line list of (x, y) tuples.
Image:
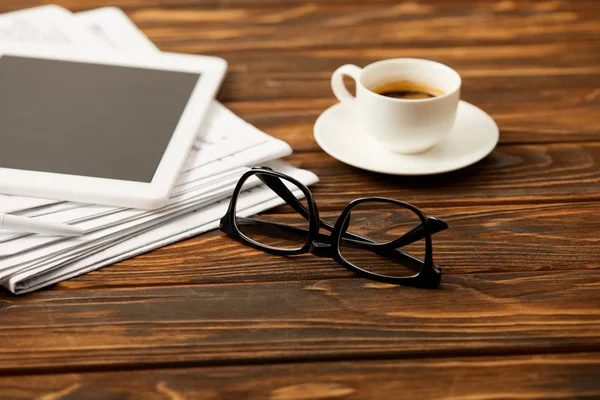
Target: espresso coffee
[(407, 90)]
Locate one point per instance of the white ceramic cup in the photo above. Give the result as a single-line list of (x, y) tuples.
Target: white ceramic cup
[(401, 125)]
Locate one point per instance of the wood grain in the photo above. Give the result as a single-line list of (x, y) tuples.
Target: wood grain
[(524, 6), (368, 23), (305, 320), (293, 120), (511, 174), (383, 26), (483, 239), (517, 315), (564, 376)]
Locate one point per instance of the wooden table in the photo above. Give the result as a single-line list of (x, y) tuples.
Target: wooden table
[(518, 311)]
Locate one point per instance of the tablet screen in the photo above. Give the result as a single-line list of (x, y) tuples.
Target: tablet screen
[(87, 119)]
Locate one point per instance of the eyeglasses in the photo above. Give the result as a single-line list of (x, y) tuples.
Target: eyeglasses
[(378, 238)]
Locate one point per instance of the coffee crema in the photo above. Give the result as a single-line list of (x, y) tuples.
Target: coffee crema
[(407, 90)]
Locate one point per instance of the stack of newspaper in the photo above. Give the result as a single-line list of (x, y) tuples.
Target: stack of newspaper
[(225, 147)]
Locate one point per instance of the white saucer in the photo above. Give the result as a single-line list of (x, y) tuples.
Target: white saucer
[(474, 136)]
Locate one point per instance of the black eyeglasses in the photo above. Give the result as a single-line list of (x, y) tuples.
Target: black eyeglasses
[(378, 238)]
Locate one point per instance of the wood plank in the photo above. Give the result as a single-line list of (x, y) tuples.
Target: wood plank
[(386, 30), (531, 101), (474, 314), (525, 90), (472, 60), (534, 101), (568, 117), (410, 7), (186, 26), (481, 239), (293, 120), (362, 25), (563, 376), (510, 174)]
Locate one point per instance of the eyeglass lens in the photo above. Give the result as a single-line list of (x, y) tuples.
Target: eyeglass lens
[(381, 223)]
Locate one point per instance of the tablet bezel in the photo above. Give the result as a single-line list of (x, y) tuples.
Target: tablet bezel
[(112, 191)]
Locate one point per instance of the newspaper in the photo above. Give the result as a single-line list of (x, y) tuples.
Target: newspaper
[(225, 146)]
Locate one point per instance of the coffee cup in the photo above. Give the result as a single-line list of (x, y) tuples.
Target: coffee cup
[(408, 105)]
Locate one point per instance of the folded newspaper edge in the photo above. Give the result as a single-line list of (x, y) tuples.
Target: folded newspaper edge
[(251, 202)]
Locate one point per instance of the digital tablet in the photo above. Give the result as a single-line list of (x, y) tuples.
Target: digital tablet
[(103, 128)]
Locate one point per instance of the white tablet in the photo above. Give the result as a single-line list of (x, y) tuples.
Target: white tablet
[(103, 128)]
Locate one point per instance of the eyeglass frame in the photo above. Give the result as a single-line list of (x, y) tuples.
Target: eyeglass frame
[(328, 246)]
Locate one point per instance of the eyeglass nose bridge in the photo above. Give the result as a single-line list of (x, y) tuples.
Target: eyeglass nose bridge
[(321, 249)]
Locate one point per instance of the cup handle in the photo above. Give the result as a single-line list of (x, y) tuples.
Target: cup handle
[(337, 82)]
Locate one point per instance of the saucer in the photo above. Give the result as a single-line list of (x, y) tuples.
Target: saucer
[(474, 136)]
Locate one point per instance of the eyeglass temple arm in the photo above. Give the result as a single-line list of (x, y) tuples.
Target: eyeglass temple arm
[(276, 185), (279, 187), (435, 224), (364, 243), (417, 233)]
